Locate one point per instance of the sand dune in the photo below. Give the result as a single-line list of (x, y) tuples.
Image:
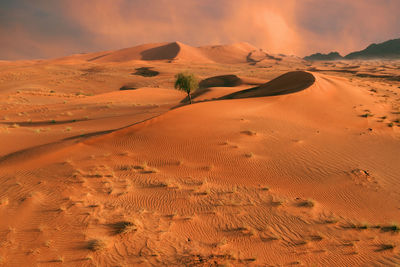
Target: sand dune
[(270, 166), (218, 86), (288, 83), (221, 81), (167, 51), (229, 54)]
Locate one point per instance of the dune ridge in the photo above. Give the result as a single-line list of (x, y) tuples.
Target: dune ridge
[(287, 83), (224, 54), (269, 166)]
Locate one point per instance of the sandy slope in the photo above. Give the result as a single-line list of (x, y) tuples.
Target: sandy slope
[(301, 177), (226, 54)]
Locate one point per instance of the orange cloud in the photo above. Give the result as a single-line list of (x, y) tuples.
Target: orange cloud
[(289, 26), (278, 26)]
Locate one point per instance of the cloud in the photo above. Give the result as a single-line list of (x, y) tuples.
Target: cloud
[(56, 28), (124, 23), (346, 26)]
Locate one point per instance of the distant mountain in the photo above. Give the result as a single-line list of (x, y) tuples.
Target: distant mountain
[(389, 49), (386, 50), (319, 56)]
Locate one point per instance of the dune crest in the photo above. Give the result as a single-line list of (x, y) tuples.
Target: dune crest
[(224, 54), (221, 81), (287, 83)]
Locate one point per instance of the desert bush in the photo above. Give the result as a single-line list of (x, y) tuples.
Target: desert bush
[(186, 82)]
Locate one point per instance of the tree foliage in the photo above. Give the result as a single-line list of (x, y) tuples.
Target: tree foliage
[(186, 82)]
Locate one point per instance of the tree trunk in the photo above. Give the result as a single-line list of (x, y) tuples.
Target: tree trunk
[(190, 98)]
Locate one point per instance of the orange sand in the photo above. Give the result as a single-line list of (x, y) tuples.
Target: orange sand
[(285, 171)]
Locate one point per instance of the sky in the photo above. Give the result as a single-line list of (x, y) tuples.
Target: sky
[(31, 29)]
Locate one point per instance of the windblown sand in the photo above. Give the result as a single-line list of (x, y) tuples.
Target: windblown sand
[(278, 162)]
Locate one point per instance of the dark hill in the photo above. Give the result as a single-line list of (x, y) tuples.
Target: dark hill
[(319, 56), (386, 50)]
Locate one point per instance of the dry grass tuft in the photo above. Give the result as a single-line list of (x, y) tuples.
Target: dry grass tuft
[(307, 203), (386, 246), (144, 168), (361, 226), (366, 115), (330, 220), (249, 133), (59, 259), (391, 228), (96, 245), (277, 203), (124, 227)]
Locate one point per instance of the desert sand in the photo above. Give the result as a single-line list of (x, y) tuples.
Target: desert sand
[(278, 162)]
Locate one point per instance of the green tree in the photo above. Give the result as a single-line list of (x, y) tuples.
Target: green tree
[(186, 82)]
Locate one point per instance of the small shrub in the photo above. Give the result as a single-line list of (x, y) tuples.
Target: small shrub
[(249, 133), (59, 259), (307, 203), (366, 115), (387, 246), (96, 245), (249, 155), (391, 228), (124, 227), (186, 82), (360, 226)]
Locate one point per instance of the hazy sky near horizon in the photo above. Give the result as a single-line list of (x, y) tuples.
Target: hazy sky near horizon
[(48, 28)]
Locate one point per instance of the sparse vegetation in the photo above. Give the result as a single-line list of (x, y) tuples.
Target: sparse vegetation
[(277, 203), (205, 192), (268, 237), (386, 246), (96, 245), (316, 237), (366, 115), (186, 82), (249, 155), (307, 203), (301, 243), (358, 226), (243, 230), (391, 228), (146, 72), (59, 259), (331, 220), (95, 201), (249, 133), (143, 168), (124, 227)]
